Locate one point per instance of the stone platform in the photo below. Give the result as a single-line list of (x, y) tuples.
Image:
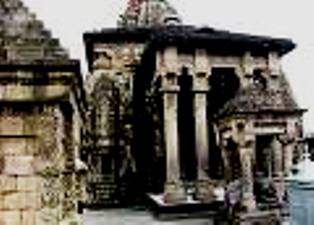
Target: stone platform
[(134, 217), (189, 209)]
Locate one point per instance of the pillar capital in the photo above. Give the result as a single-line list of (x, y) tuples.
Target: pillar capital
[(273, 63), (200, 82), (169, 83), (248, 63), (170, 59), (202, 64)]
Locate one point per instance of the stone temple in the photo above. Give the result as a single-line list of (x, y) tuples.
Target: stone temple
[(167, 114)]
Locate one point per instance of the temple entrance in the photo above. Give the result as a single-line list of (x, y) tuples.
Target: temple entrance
[(186, 126), (264, 163), (264, 170)]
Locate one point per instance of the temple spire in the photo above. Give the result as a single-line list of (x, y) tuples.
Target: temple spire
[(148, 13)]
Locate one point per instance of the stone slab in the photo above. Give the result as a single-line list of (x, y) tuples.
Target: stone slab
[(189, 209), (135, 217)]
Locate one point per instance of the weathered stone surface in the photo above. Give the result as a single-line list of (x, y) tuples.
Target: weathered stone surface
[(7, 183), (10, 218), (29, 184), (32, 200), (14, 201), (14, 146), (11, 125), (19, 165), (28, 217), (48, 216)]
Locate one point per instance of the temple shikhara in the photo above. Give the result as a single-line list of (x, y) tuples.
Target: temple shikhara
[(169, 116)]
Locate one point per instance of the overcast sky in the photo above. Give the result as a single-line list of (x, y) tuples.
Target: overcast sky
[(68, 19)]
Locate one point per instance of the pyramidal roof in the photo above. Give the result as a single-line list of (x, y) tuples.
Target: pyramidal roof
[(149, 13), (256, 98), (23, 37)]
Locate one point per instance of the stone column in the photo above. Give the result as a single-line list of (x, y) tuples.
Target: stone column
[(288, 150), (200, 88), (174, 191), (248, 198), (277, 149)]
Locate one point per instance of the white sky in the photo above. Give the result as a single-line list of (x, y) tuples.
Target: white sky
[(68, 19)]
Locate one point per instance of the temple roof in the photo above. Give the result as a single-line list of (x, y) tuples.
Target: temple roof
[(257, 98), (23, 37), (216, 41)]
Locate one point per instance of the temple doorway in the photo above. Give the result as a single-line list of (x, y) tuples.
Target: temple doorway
[(264, 170)]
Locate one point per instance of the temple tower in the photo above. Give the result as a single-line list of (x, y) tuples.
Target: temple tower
[(40, 119)]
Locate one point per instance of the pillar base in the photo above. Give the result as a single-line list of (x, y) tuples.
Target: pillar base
[(174, 193), (204, 191), (248, 201)]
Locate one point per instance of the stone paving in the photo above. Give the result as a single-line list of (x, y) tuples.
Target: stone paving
[(133, 217)]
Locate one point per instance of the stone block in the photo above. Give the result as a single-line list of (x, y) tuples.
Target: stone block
[(14, 146), (7, 184), (18, 165), (28, 184), (32, 200), (14, 201), (10, 218), (11, 125), (28, 217), (18, 92), (56, 90)]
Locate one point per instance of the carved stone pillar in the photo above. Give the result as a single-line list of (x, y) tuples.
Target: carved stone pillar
[(174, 191), (278, 169), (248, 198)]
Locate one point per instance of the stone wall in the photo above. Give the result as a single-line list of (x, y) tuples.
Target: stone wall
[(38, 153)]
